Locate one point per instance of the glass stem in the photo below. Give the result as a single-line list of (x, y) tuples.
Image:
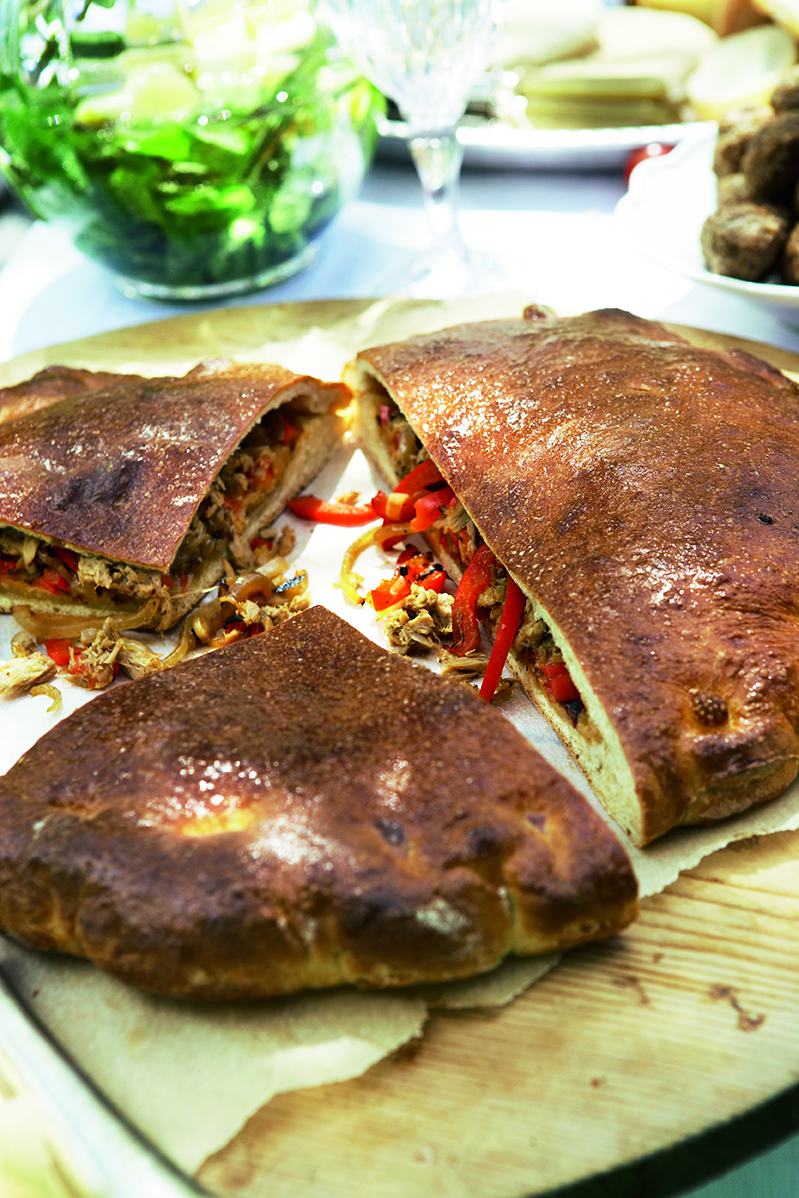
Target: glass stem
[(438, 158)]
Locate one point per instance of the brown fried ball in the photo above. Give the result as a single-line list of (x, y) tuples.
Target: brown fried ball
[(771, 160), (744, 240), (789, 266), (736, 130), (733, 189), (786, 93)]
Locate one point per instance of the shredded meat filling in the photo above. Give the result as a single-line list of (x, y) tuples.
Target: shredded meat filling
[(19, 675), (248, 476), (456, 533), (423, 619)]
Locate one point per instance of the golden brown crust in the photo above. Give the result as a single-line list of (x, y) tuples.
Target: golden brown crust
[(51, 385), (300, 809), (121, 471), (645, 492)]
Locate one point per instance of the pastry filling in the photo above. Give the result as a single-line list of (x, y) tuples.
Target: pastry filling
[(220, 526), (483, 590)]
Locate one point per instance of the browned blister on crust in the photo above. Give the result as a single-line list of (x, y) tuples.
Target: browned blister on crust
[(300, 809), (643, 492)]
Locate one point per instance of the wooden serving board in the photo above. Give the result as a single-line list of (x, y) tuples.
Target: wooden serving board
[(668, 1039), (687, 1020)]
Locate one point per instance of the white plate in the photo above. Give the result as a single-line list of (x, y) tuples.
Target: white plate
[(491, 144), (668, 200)]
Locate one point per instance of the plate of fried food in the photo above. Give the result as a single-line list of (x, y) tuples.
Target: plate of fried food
[(721, 208)]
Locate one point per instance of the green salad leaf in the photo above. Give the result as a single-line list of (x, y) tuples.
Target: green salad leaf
[(222, 191)]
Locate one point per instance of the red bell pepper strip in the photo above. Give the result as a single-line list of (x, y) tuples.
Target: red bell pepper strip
[(68, 556), (563, 689), (379, 503), (476, 577), (433, 579), (52, 581), (392, 542), (428, 506), (400, 506), (326, 511), (412, 567), (412, 501), (58, 651), (423, 475), (8, 564), (382, 596), (289, 433), (558, 682), (420, 568), (504, 637)]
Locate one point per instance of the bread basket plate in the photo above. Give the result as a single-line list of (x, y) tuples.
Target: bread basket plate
[(668, 201)]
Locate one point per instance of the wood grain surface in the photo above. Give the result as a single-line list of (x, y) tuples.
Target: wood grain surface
[(688, 1019), (683, 1023)]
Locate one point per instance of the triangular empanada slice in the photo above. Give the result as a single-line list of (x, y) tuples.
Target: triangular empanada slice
[(301, 809)]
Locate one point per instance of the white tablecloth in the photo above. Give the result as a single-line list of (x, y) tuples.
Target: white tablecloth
[(555, 233), (562, 246)]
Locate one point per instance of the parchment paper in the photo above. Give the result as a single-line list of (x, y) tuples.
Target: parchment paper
[(191, 1076)]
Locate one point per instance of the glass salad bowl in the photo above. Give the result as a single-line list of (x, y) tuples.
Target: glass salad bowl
[(196, 148)]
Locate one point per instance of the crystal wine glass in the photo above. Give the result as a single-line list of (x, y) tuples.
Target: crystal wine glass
[(426, 56)]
